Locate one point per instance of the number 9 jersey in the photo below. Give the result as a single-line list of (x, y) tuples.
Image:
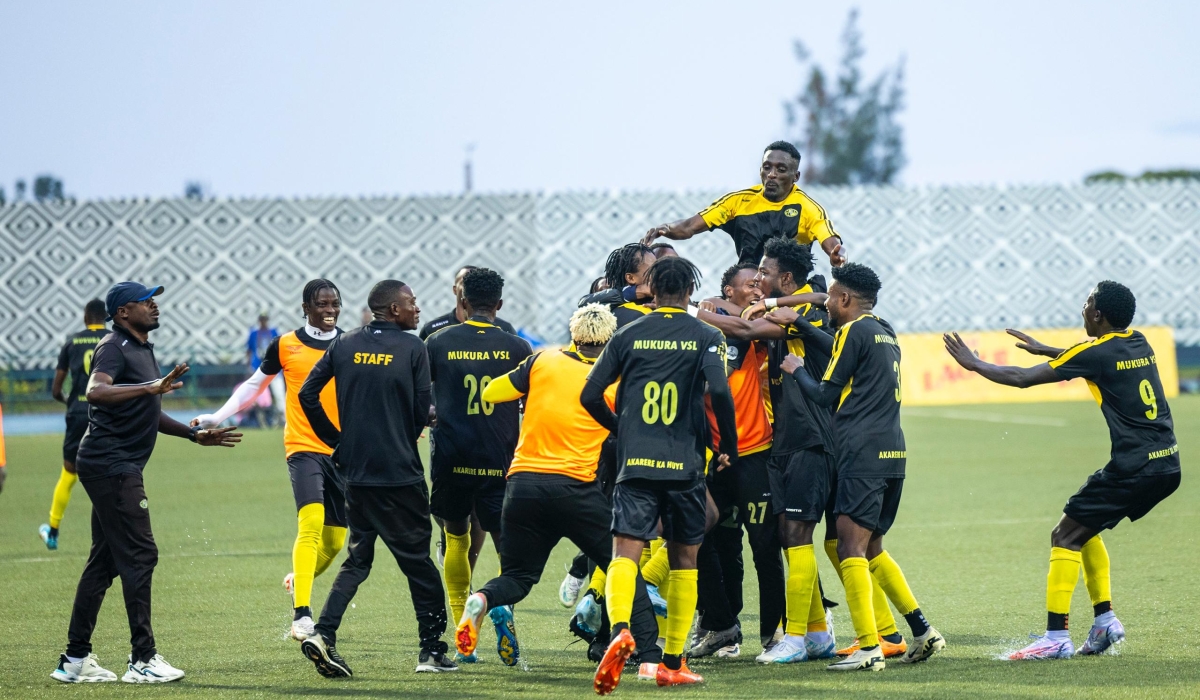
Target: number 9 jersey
[(472, 437), (662, 428)]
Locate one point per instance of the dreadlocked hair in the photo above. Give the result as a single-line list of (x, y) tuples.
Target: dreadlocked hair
[(623, 261), (315, 286), (673, 276), (593, 324), (727, 278), (1115, 302), (859, 279)]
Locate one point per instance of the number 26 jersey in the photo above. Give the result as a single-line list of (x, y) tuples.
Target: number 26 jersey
[(661, 423)]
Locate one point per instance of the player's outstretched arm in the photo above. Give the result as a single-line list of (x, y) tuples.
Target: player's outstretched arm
[(501, 390), (592, 400), (243, 397), (102, 391), (1020, 377), (1030, 345), (760, 307), (820, 393), (676, 230), (818, 338), (219, 437), (742, 329)]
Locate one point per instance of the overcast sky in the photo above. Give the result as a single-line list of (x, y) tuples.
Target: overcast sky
[(300, 98)]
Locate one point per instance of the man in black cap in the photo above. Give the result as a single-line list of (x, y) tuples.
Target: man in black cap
[(383, 396), (124, 395)]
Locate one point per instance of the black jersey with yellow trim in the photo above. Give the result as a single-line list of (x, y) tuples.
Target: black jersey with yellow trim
[(662, 428), (865, 362), (1121, 370), (800, 424), (473, 436), (75, 359), (751, 219)]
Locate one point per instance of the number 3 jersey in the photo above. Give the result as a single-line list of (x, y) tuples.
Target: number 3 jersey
[(1122, 372), (473, 437), (866, 421), (661, 423)]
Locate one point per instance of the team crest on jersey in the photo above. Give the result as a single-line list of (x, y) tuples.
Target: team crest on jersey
[(791, 212), (732, 352), (144, 504)]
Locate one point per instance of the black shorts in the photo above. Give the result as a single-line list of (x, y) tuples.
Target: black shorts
[(316, 480), (77, 424), (744, 488), (872, 503), (800, 484), (639, 503), (1105, 499), (455, 496)]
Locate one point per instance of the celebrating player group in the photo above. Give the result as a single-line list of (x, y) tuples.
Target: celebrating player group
[(667, 428)]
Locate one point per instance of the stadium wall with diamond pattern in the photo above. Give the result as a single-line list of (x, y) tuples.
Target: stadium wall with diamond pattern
[(950, 258)]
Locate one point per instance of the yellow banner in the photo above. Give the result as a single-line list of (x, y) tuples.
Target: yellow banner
[(932, 378)]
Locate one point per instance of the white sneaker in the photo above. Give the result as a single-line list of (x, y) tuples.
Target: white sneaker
[(302, 629), (88, 670), (829, 625), (730, 652), (789, 650), (568, 590), (156, 670), (861, 660), (924, 647)]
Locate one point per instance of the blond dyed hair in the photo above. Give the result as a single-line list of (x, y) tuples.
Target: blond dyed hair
[(593, 324)]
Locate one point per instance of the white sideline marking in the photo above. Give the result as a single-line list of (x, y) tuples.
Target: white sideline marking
[(986, 417)]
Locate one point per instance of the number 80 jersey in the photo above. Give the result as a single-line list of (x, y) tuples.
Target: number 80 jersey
[(661, 424), (471, 435)]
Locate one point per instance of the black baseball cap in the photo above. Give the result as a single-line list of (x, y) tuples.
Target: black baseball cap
[(123, 293)]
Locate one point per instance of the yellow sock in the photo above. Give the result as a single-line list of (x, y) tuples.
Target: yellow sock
[(596, 585), (62, 496), (657, 569), (856, 575), (619, 588), (885, 622), (333, 538), (816, 610), (457, 571), (891, 579), (1096, 571), (802, 576), (309, 522), (681, 604), (1060, 582)]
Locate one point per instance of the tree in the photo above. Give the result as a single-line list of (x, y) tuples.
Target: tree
[(47, 187), (848, 131), (1146, 176)]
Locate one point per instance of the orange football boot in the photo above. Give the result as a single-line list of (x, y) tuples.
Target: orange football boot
[(683, 676), (608, 675), (889, 650)]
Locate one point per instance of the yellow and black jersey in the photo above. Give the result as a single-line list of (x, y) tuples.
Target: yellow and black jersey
[(1122, 372), (866, 422), (800, 424), (750, 219), (629, 312), (470, 433), (660, 360), (76, 360)]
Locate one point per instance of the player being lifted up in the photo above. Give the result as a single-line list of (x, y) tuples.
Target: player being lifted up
[(662, 361), (316, 485), (863, 382), (74, 360), (472, 443), (776, 208), (1143, 469)]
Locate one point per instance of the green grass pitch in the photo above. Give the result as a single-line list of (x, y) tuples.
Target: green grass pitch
[(985, 486)]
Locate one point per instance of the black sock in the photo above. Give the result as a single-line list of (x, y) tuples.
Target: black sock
[(873, 646), (54, 532), (1056, 622), (918, 623), (672, 661), (893, 638), (1101, 608), (302, 611), (616, 629)]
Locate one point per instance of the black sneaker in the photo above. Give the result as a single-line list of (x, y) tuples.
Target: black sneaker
[(434, 662), (325, 657)]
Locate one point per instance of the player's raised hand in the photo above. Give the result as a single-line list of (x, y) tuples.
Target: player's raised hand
[(708, 306), (656, 232), (838, 256), (755, 310), (791, 363), (784, 316), (218, 437), (723, 462), (958, 349), (1030, 344), (170, 382)]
